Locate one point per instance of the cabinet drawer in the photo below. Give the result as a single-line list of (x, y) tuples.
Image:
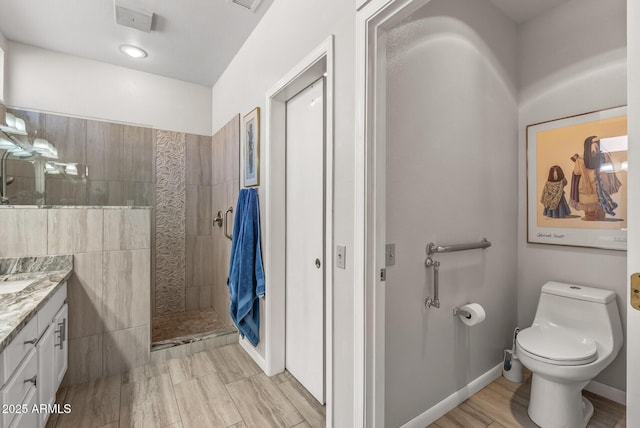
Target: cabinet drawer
[(49, 310), (16, 350), (28, 419), (19, 385)]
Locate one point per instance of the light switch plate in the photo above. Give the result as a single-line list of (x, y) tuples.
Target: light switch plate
[(390, 254), (341, 255)]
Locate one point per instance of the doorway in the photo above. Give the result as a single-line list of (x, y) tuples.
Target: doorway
[(305, 279), (271, 353)]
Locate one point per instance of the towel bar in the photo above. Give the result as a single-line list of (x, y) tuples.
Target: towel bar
[(433, 248)]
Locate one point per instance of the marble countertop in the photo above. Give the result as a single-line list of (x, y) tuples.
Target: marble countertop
[(16, 309)]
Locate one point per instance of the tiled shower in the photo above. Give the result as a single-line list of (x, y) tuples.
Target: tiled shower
[(185, 178)]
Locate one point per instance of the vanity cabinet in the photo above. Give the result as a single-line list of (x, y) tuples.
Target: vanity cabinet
[(33, 364)]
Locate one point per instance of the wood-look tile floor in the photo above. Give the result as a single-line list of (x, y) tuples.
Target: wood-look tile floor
[(503, 404), (184, 324), (218, 388)]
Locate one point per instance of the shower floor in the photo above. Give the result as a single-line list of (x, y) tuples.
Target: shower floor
[(185, 324)]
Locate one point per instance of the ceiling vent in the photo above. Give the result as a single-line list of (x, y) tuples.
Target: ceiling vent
[(251, 5), (140, 20)]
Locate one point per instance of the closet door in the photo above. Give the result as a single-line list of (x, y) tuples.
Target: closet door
[(305, 224)]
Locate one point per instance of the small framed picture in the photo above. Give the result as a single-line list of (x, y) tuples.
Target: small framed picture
[(577, 180), (250, 149)]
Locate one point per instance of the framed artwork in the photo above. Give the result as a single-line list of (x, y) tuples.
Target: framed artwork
[(577, 180), (250, 149)]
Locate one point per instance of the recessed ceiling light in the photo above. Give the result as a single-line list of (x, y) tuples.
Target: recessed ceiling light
[(133, 51)]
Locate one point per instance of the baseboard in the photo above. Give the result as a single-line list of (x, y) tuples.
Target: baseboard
[(607, 392), (255, 356), (455, 399)]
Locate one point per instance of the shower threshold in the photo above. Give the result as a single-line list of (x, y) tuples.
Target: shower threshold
[(187, 327)]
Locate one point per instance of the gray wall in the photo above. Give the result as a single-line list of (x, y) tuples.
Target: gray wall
[(451, 178), (571, 60)]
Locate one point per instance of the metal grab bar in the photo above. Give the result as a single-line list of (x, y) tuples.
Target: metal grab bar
[(433, 302), (226, 222), (433, 248)]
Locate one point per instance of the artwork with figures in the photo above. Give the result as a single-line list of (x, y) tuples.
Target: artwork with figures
[(577, 180), (250, 149)]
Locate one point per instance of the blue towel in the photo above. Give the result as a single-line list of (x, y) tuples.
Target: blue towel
[(246, 274)]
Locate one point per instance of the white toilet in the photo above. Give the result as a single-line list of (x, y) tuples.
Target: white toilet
[(576, 333)]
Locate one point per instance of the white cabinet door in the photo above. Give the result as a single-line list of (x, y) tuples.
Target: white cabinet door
[(46, 372), (60, 345)]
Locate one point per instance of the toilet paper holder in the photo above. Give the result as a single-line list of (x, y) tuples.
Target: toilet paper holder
[(457, 311)]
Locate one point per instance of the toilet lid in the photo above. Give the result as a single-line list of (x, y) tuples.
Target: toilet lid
[(558, 345)]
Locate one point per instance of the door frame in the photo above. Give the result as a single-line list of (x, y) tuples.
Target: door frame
[(318, 63), (372, 22), (633, 232)]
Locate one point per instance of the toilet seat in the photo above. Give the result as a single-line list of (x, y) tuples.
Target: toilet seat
[(557, 345)]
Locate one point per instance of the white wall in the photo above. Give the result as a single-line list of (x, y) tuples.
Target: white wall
[(43, 80), (572, 60), (451, 178), (288, 32), (633, 255)]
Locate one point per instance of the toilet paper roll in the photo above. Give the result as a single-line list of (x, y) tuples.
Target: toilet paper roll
[(477, 314)]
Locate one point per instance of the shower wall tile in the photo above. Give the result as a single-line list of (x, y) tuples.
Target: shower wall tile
[(199, 266), (170, 223), (126, 278), (152, 299), (126, 229), (198, 210), (24, 232), (85, 295), (69, 135), (23, 192), (20, 168), (217, 167), (120, 193), (97, 193), (126, 349), (225, 166), (204, 296), (74, 230), (138, 154), (191, 299), (35, 121), (104, 150), (231, 149), (85, 359), (198, 163), (65, 192)]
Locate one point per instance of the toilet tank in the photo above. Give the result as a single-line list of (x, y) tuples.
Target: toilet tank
[(592, 311)]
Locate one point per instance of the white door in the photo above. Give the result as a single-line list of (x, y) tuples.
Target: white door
[(304, 357)]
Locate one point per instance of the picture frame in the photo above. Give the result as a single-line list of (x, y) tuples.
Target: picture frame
[(577, 180), (250, 149)]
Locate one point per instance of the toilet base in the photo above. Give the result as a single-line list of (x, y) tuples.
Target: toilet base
[(558, 405)]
